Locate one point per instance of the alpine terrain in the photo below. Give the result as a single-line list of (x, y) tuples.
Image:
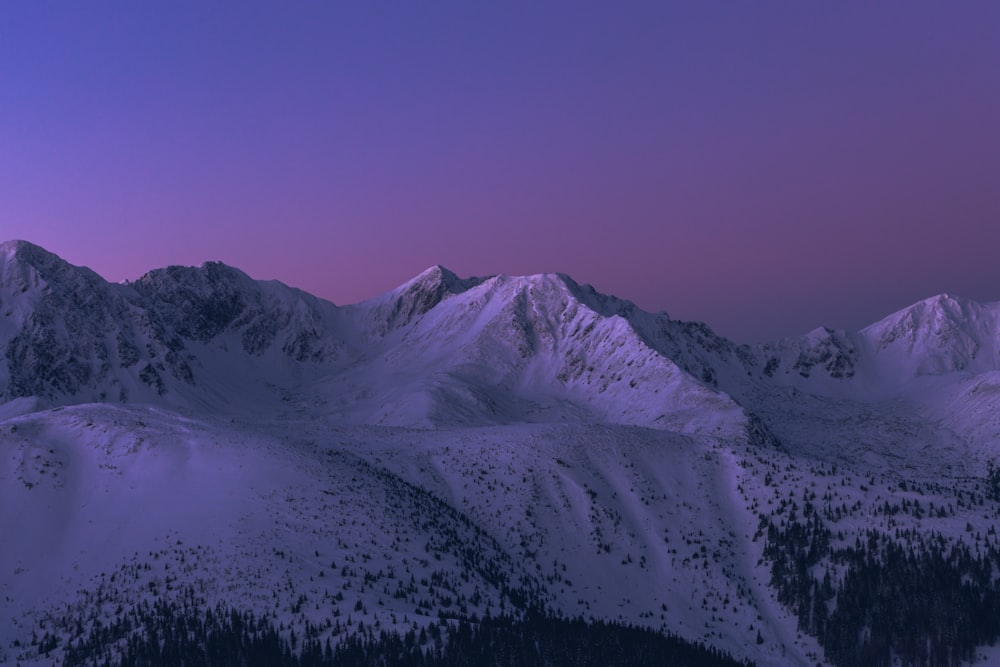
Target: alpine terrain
[(198, 467)]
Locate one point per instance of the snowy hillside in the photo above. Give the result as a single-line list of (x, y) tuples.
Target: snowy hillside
[(463, 447), (918, 380), (519, 349), (943, 335), (208, 337)]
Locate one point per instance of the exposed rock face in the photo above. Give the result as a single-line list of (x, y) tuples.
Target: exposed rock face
[(440, 349), (70, 336), (68, 332)]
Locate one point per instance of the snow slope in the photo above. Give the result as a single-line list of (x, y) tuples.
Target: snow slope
[(304, 522), (518, 349), (920, 380), (456, 446)]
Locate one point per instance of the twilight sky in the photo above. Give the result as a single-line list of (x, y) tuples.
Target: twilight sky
[(766, 167)]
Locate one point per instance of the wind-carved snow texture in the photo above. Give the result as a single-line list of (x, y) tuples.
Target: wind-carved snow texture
[(462, 447)]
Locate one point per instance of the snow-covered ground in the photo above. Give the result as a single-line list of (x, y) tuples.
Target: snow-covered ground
[(457, 447), (119, 504)]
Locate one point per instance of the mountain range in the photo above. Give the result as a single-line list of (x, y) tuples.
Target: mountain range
[(461, 447)]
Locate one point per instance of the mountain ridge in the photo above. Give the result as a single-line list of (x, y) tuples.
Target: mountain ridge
[(492, 445), (539, 347)]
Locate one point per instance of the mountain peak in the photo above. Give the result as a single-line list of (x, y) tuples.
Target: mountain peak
[(436, 272), (400, 306), (15, 245), (213, 271), (24, 251), (938, 302), (25, 265), (439, 277), (930, 313), (204, 301), (941, 334)]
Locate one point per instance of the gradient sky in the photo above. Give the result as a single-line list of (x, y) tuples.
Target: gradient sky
[(766, 167)]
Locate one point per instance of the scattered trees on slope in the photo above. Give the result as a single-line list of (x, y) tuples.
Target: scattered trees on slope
[(164, 634)]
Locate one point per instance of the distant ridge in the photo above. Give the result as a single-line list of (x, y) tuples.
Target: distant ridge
[(440, 349), (198, 458)]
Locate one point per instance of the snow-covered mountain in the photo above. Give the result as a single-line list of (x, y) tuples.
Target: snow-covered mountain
[(942, 335), (461, 447), (921, 377), (516, 349), (70, 336), (208, 337), (437, 350)]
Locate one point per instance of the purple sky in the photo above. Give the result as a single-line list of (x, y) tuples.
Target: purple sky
[(765, 167)]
